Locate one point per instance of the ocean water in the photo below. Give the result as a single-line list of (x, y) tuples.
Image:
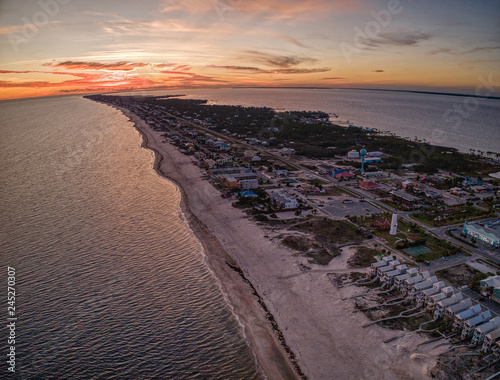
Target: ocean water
[(452, 121), (111, 282)]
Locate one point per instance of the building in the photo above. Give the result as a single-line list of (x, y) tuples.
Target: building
[(280, 173), (453, 310), (378, 264), (446, 302), (419, 287), (287, 151), (394, 224), (353, 154), (368, 185), (406, 185), (247, 184), (489, 234), (229, 181), (223, 159), (344, 175), (490, 339), (471, 323), (390, 276), (200, 155), (372, 160), (465, 315), (381, 224), (406, 285), (445, 293), (248, 194), (310, 190), (492, 286), (426, 294), (481, 330), (209, 162), (284, 201), (406, 200)]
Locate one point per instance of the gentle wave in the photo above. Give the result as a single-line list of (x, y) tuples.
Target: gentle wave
[(112, 283)]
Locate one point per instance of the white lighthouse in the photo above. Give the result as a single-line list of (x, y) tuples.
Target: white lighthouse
[(394, 224)]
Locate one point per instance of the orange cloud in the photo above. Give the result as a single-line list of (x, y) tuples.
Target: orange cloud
[(104, 77), (78, 65), (256, 70), (271, 9), (15, 72)]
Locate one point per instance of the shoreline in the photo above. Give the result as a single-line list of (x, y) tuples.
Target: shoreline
[(216, 262), (296, 323)]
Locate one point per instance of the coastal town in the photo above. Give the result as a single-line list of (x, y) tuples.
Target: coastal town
[(421, 223)]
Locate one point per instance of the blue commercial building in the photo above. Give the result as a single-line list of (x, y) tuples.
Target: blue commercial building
[(488, 234)]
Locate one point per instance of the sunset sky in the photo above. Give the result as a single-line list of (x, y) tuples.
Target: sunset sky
[(56, 47)]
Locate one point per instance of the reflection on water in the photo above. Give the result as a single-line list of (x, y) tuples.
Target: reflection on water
[(111, 282)]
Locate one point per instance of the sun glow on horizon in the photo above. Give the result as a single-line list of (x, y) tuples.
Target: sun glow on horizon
[(70, 48)]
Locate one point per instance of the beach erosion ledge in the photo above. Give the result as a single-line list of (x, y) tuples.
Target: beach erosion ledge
[(274, 359)]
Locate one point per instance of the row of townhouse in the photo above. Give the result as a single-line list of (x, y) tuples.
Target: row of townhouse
[(418, 286)]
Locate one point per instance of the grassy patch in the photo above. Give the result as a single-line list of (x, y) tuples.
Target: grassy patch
[(332, 191), (329, 231), (462, 275), (450, 215), (299, 243), (322, 257), (363, 257)]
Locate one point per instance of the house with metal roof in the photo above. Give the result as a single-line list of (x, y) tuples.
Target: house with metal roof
[(407, 284), (481, 330), (388, 277), (419, 287), (463, 316), (444, 303), (426, 294), (452, 310), (471, 323), (491, 338)]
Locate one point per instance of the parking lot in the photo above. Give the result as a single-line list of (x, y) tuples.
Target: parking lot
[(356, 208)]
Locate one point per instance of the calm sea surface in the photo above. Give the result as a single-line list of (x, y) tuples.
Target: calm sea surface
[(111, 282), (453, 121)]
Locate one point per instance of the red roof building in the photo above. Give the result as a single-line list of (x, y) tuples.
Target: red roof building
[(368, 185), (382, 224), (344, 175)]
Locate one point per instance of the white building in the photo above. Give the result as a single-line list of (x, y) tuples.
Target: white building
[(353, 154), (248, 184), (284, 201)]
